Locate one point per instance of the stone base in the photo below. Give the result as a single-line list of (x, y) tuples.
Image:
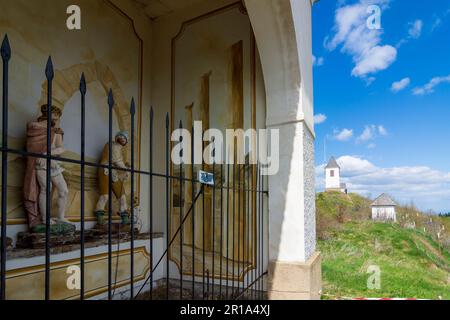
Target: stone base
[(295, 281), (29, 240), (115, 228)]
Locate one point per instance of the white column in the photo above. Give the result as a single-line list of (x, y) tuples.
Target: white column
[(283, 34)]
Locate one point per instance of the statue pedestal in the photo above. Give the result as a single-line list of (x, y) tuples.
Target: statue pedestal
[(29, 240), (116, 228)]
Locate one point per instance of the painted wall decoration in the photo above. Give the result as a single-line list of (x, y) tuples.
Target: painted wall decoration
[(107, 49), (216, 74)]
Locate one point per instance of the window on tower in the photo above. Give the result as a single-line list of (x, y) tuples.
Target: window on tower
[(331, 173)]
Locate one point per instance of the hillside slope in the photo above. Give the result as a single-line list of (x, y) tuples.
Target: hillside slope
[(412, 264)]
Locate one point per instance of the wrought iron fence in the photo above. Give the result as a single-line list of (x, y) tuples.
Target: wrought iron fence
[(213, 285)]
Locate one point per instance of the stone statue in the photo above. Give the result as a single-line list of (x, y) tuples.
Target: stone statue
[(35, 176), (118, 179)]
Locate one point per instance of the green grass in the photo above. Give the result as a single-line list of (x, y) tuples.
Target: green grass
[(412, 264)]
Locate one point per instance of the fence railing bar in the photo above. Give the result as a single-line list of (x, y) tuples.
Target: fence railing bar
[(181, 207), (233, 224), (102, 166), (255, 258), (132, 218), (239, 227), (203, 227), (244, 225), (261, 184), (82, 184), (110, 141), (221, 231), (249, 255), (49, 73), (5, 52), (262, 233), (228, 230), (193, 212), (151, 201), (213, 219), (167, 201)]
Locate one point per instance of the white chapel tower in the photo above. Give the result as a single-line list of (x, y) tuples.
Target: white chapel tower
[(333, 177)]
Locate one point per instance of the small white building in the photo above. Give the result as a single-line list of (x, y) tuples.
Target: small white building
[(333, 177), (383, 208)]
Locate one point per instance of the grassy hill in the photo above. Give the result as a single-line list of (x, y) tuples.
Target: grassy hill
[(414, 262)]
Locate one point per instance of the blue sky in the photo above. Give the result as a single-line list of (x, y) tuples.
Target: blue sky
[(382, 98)]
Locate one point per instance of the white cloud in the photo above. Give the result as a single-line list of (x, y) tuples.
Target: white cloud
[(439, 19), (376, 59), (369, 81), (318, 61), (371, 132), (414, 32), (400, 85), (415, 29), (436, 23), (360, 42), (320, 118), (426, 187), (368, 134), (343, 135), (429, 87), (382, 130)]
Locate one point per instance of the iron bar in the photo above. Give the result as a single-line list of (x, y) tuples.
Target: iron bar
[(49, 73), (203, 225), (234, 229), (193, 211), (239, 226), (5, 52), (181, 207), (167, 201), (82, 182), (244, 226), (133, 114), (262, 234), (213, 218), (259, 230), (151, 201), (228, 228), (255, 258), (248, 225), (221, 230), (110, 144)]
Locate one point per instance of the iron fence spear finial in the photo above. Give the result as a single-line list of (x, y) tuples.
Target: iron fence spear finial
[(83, 84), (5, 49), (49, 72), (110, 98), (132, 107)]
